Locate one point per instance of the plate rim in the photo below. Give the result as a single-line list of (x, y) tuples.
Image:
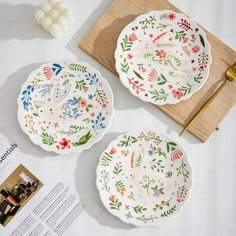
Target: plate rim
[(121, 217), (144, 98), (66, 152)]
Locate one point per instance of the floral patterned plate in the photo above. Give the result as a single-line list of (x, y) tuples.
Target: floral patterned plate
[(163, 57), (65, 107), (144, 177)]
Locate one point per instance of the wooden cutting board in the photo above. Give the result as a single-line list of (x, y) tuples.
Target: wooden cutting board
[(100, 43)]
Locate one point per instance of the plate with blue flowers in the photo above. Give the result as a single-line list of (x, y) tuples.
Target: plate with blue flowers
[(65, 107)]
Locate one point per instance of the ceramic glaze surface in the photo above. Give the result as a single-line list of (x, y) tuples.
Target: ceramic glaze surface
[(163, 57), (144, 177), (65, 106)]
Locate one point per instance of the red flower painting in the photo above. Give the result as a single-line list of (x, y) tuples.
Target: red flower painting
[(132, 37), (65, 143), (171, 16), (162, 54), (178, 93), (196, 49), (83, 103)]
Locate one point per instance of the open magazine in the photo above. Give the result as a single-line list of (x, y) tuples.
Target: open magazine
[(35, 198)]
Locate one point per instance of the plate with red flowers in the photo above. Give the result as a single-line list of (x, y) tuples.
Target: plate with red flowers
[(65, 106), (144, 177), (163, 57)]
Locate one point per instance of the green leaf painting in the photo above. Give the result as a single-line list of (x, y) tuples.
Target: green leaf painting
[(203, 59), (126, 45), (83, 140), (186, 89), (106, 159), (198, 78), (127, 141), (77, 67), (101, 96), (157, 165), (170, 146), (202, 40), (180, 34), (139, 209), (138, 75), (169, 212), (117, 168), (182, 170), (79, 84), (114, 204), (47, 139), (159, 95), (161, 80), (125, 66)]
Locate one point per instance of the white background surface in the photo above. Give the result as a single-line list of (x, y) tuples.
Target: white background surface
[(211, 209)]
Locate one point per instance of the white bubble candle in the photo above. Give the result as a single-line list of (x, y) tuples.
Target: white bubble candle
[(54, 17)]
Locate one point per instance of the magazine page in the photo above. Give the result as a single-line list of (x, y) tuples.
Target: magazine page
[(35, 197)]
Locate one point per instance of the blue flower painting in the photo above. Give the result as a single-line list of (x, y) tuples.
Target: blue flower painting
[(98, 122), (26, 99), (71, 108), (92, 78)]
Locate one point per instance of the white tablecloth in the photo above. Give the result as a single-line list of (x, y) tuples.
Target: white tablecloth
[(211, 209)]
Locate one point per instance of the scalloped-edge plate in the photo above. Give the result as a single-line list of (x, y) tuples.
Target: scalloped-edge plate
[(65, 106), (163, 57), (144, 177)]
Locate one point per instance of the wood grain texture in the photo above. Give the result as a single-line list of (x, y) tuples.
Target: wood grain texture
[(100, 43)]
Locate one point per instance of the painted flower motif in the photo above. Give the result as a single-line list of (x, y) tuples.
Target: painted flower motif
[(195, 49), (47, 71), (90, 97), (201, 68), (131, 196), (83, 103), (104, 105), (170, 86), (56, 125), (150, 152), (128, 215), (151, 35), (178, 93), (65, 143), (126, 207), (162, 54), (194, 69), (168, 174), (112, 198), (123, 152), (185, 40), (113, 151), (135, 28), (141, 67), (133, 37), (156, 193), (176, 154), (130, 56), (85, 88), (153, 75), (171, 16), (92, 114)]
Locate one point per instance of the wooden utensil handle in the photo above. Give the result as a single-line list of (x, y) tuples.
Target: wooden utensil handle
[(204, 107)]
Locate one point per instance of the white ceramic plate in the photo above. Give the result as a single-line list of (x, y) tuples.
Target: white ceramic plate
[(144, 178), (163, 57), (65, 107)]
